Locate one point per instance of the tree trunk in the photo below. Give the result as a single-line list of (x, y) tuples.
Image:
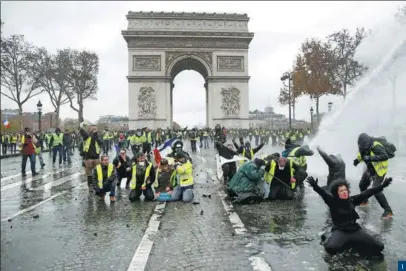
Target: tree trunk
[(317, 111), (344, 91), (20, 112), (81, 119), (57, 109)]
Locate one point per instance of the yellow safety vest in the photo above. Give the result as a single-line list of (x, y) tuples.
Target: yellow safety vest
[(100, 174), (300, 161), (106, 136), (137, 140), (243, 155), (268, 176), (57, 139), (381, 168), (86, 145), (148, 137), (205, 133), (133, 183), (14, 139), (184, 174)]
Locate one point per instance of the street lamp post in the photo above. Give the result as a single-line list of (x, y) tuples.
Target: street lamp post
[(330, 105), (311, 116), (39, 107), (288, 75)]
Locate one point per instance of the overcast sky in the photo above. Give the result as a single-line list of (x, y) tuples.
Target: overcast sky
[(279, 27)]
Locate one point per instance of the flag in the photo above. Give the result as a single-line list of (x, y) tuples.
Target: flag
[(226, 155), (163, 150), (6, 124)]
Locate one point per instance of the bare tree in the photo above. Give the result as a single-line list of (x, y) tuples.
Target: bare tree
[(84, 68), (20, 86), (51, 73), (401, 15), (346, 69)]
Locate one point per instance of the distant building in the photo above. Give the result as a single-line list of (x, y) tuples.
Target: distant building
[(271, 120), (114, 122)]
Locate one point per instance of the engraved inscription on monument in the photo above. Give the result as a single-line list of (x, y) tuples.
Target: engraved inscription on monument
[(230, 63), (146, 63)]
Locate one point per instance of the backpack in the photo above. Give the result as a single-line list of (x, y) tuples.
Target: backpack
[(389, 147)]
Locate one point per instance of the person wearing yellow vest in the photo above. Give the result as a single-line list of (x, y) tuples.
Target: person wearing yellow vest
[(147, 145), (143, 177), (279, 179), (38, 149), (106, 140), (183, 183), (57, 146), (5, 141), (27, 146), (374, 155), (206, 138), (246, 150), (92, 145), (104, 178), (193, 139), (14, 139), (137, 141)]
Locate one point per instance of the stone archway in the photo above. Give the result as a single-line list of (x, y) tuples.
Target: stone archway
[(161, 45)]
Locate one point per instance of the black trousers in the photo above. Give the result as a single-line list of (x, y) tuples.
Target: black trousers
[(360, 240), (280, 192), (122, 175), (193, 145), (229, 169), (136, 193), (365, 182)]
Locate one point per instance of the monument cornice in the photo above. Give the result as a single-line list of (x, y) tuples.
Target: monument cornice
[(157, 33), (187, 15), (228, 78), (148, 78), (170, 42)]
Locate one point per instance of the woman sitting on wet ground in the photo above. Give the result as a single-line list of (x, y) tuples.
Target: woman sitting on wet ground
[(165, 174), (346, 232)]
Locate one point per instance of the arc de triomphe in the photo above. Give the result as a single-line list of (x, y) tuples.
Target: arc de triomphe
[(162, 44)]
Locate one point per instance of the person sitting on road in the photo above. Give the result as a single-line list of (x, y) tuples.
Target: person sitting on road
[(165, 174), (141, 180), (183, 183), (105, 179), (245, 186), (346, 232), (279, 179), (122, 163)]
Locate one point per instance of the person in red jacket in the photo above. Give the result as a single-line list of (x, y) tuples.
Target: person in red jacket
[(28, 142)]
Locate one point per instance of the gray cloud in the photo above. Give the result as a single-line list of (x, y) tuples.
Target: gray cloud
[(279, 29)]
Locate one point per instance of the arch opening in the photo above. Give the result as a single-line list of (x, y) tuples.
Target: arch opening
[(189, 96)]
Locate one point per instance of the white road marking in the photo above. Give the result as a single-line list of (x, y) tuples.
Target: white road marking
[(259, 264), (39, 203), (141, 255), (30, 180), (235, 220), (4, 179)]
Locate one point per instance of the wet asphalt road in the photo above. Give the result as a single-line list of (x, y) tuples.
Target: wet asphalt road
[(75, 231)]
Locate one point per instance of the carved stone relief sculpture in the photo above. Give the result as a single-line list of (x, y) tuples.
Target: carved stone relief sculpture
[(171, 55), (230, 63), (147, 63), (230, 101), (147, 103)]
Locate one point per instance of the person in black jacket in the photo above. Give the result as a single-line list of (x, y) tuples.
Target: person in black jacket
[(92, 146), (122, 163), (67, 146), (374, 155), (346, 232), (336, 166), (229, 168)]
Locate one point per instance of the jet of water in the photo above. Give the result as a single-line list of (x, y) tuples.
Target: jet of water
[(371, 107)]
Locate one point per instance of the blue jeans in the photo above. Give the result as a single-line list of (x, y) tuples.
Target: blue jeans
[(24, 163), (67, 154), (184, 193), (41, 160), (55, 150), (206, 142)]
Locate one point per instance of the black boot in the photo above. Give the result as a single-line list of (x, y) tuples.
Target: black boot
[(90, 183)]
